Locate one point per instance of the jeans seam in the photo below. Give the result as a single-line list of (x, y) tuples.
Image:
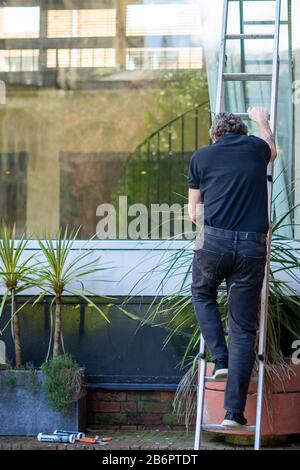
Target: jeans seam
[(257, 236)]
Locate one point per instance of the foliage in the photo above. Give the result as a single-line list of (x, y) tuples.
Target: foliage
[(60, 272), (175, 313), (156, 170), (178, 91), (26, 377), (11, 381), (17, 274), (64, 382)]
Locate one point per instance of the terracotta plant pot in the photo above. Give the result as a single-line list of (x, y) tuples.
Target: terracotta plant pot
[(284, 406)]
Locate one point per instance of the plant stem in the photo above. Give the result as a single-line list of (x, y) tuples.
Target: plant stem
[(16, 330), (58, 327)]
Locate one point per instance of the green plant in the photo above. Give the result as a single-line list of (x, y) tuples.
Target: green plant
[(29, 380), (178, 91), (17, 275), (175, 313), (64, 381), (26, 378), (60, 272), (11, 381)]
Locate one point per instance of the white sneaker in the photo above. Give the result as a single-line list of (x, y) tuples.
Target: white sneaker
[(234, 420), (221, 369)]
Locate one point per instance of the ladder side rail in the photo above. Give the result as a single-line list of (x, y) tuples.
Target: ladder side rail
[(222, 59), (265, 290), (200, 394)]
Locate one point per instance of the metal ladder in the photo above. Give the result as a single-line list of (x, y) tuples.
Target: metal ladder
[(243, 77)]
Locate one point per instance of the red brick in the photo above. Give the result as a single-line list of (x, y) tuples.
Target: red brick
[(141, 419), (192, 421), (153, 407), (149, 419), (167, 396), (130, 406), (104, 406), (128, 427), (170, 419), (91, 418), (151, 396), (111, 419), (104, 395), (143, 396), (94, 395), (134, 419), (133, 396)]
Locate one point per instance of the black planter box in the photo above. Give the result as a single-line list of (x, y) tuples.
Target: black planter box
[(25, 410)]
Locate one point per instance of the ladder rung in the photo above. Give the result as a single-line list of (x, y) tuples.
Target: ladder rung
[(209, 378), (259, 77), (212, 379), (249, 36), (263, 22), (219, 427)]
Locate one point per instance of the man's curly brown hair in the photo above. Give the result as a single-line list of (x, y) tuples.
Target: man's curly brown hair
[(225, 123)]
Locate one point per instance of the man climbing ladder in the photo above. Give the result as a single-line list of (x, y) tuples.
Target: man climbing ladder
[(232, 178)]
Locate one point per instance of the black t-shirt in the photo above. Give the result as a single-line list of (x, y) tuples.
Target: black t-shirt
[(232, 177)]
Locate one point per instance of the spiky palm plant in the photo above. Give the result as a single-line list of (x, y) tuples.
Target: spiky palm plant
[(60, 271), (17, 274), (175, 313)]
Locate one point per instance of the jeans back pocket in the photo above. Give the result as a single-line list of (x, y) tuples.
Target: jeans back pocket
[(209, 262), (253, 270)]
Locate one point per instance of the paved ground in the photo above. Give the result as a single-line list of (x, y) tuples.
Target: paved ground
[(139, 439)]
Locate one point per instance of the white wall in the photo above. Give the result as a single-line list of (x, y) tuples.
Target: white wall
[(139, 267)]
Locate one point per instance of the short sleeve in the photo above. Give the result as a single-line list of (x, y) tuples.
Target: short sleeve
[(194, 174), (262, 148)]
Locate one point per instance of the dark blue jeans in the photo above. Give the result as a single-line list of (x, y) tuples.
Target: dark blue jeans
[(239, 258)]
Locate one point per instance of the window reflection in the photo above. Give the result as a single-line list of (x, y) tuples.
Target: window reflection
[(81, 23), (87, 82), (19, 22), (167, 19), (106, 78), (59, 58)]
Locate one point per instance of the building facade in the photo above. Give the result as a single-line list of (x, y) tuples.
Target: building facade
[(102, 99)]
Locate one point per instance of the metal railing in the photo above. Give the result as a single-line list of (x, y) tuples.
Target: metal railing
[(156, 171)]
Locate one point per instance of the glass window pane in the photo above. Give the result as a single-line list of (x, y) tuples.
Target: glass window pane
[(19, 22), (81, 23), (111, 99), (180, 18)]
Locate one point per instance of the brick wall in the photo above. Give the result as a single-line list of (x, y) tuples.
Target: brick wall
[(130, 409)]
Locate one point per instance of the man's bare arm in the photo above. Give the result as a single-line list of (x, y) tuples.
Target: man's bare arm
[(267, 135), (260, 116), (194, 204)]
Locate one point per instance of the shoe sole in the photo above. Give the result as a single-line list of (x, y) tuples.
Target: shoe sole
[(228, 423), (221, 374)]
